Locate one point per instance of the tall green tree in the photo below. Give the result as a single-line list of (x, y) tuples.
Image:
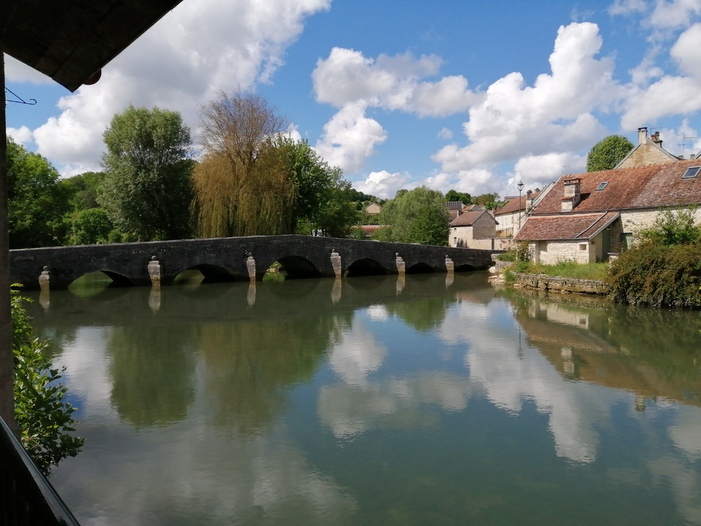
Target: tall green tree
[(608, 152), (416, 216), (454, 195), (490, 201), (84, 189), (90, 226), (37, 201), (324, 198), (147, 189)]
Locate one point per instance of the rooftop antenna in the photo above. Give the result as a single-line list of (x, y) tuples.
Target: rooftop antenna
[(685, 138)]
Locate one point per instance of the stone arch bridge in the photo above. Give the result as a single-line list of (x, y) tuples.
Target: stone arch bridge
[(235, 258)]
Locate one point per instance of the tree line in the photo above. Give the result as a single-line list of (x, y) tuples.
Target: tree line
[(252, 178)]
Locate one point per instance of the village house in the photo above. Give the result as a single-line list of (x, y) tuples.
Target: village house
[(475, 229), (648, 151), (587, 217)]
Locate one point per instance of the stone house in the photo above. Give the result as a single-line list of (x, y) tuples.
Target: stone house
[(648, 151), (586, 217), (473, 230)]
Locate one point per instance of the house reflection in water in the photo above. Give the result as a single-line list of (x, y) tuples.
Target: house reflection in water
[(603, 345)]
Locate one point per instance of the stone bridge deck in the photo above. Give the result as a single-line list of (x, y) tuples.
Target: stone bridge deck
[(227, 259)]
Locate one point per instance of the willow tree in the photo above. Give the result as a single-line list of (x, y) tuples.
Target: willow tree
[(242, 184)]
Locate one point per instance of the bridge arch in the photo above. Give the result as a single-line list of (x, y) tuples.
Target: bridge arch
[(210, 273), (420, 268), (298, 267), (365, 267), (465, 268), (118, 279)]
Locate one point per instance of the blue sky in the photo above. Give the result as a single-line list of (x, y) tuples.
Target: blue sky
[(474, 96)]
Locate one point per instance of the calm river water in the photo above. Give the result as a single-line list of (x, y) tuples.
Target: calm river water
[(376, 401)]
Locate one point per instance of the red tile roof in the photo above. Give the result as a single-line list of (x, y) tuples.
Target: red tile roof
[(654, 186), (469, 218), (573, 226), (513, 205)]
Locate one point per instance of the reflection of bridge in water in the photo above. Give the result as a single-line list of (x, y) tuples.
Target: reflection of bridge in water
[(235, 259)]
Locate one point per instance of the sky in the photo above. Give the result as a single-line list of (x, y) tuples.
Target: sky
[(448, 94)]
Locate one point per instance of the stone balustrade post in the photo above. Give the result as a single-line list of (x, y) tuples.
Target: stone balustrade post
[(401, 266), (449, 265), (336, 263), (44, 279), (251, 266), (154, 271)]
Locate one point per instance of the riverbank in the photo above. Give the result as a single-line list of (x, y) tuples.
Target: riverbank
[(502, 274), (559, 284)]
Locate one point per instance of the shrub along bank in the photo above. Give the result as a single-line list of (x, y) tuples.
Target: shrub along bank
[(658, 276)]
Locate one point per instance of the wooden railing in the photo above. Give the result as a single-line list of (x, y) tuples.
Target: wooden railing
[(26, 497)]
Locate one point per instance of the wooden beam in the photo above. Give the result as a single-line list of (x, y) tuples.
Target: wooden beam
[(7, 397)]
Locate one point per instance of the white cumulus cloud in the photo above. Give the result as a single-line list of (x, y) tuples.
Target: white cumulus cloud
[(350, 138), (384, 184), (195, 51), (553, 115)]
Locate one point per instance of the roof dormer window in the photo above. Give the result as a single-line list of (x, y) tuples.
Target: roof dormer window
[(602, 185), (691, 172)]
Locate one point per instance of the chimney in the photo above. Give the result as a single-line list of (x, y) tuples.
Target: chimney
[(529, 200), (642, 135), (656, 138), (571, 197)]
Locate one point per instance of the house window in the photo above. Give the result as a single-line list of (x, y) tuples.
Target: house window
[(582, 246), (626, 241), (601, 186), (691, 172)]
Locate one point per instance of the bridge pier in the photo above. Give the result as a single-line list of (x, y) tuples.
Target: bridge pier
[(336, 263), (400, 264), (449, 265), (251, 267), (45, 279), (154, 270)]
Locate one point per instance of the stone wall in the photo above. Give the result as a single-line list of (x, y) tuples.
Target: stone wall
[(484, 227), (552, 252), (646, 154), (559, 284)]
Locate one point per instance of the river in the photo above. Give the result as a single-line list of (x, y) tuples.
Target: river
[(426, 400)]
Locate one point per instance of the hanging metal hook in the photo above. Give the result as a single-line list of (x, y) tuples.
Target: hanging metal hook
[(18, 99)]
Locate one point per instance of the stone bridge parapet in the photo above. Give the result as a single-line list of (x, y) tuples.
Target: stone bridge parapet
[(229, 259)]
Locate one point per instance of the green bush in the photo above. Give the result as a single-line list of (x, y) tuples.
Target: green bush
[(521, 252), (41, 411), (657, 275), (673, 227), (522, 266)]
